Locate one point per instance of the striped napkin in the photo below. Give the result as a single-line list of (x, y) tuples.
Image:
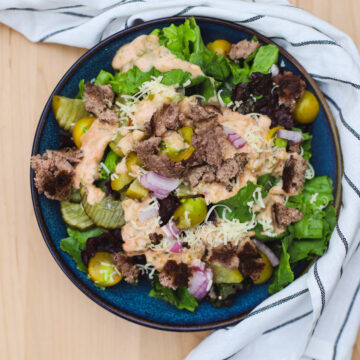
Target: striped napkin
[(317, 316)]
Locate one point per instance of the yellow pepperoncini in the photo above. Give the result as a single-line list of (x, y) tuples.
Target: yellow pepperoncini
[(186, 132), (272, 132)]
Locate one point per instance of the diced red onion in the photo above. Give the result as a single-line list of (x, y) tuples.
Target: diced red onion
[(176, 247), (198, 265), (294, 137), (148, 213), (274, 70), (237, 141), (161, 186), (171, 230), (200, 283), (268, 252)]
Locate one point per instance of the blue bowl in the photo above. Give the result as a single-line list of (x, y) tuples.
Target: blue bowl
[(132, 302)]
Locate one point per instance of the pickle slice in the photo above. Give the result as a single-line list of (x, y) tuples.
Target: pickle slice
[(68, 111), (136, 190), (108, 213), (75, 196), (75, 216), (114, 145)]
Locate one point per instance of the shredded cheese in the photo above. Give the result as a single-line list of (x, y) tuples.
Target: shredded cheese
[(147, 269), (104, 167), (221, 233), (310, 172), (313, 198)]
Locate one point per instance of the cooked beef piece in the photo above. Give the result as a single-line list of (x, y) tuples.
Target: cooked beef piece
[(164, 166), (243, 49), (167, 208), (109, 242), (149, 126), (204, 173), (98, 100), (294, 147), (284, 216), (148, 147), (230, 168), (193, 160), (167, 118), (262, 84), (294, 174), (54, 172), (291, 89), (251, 262), (224, 255), (126, 267), (160, 164), (198, 112), (213, 110), (174, 275), (155, 238), (209, 141)]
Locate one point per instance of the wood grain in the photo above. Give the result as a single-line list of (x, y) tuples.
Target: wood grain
[(42, 315)]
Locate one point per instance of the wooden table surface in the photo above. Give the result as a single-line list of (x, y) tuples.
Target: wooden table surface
[(42, 314)]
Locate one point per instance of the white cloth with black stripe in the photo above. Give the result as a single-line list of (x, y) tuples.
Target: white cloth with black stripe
[(317, 316)]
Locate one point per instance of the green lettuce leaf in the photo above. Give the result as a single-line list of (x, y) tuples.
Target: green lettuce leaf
[(82, 236), (267, 181), (72, 247), (104, 78), (239, 203), (80, 94), (306, 249), (111, 160), (129, 82), (265, 58), (181, 298), (283, 275)]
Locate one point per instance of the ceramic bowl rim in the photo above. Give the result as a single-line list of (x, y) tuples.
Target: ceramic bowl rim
[(45, 113)]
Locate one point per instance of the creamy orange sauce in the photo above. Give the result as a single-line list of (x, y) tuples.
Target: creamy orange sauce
[(127, 143), (267, 213), (145, 52), (146, 109), (135, 233), (187, 256), (94, 143)]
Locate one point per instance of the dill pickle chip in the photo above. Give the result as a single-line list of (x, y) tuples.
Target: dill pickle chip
[(75, 216), (68, 111), (108, 213), (75, 196)]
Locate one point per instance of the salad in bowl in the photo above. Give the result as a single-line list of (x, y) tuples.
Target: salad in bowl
[(189, 165)]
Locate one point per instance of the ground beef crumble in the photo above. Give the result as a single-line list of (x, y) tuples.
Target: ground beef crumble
[(167, 118), (209, 142), (251, 262), (126, 267), (98, 100), (148, 147), (243, 49), (54, 171), (294, 174), (224, 255), (290, 89), (284, 216), (174, 275)]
